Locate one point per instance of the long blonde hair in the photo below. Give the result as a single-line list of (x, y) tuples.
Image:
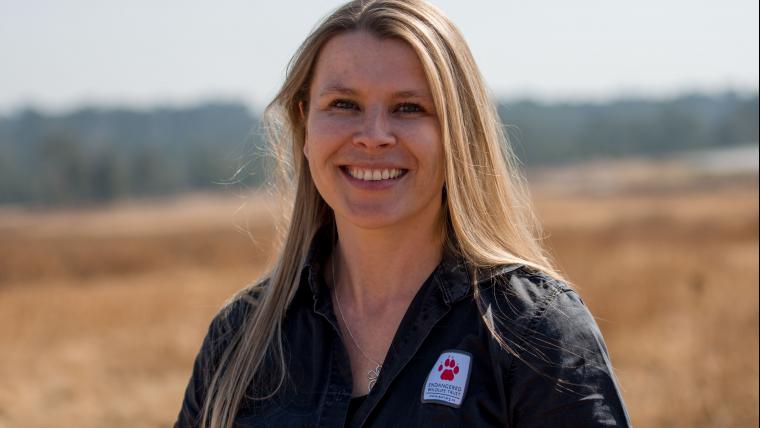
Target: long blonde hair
[(487, 212)]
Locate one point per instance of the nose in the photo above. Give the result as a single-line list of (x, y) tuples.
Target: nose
[(375, 131)]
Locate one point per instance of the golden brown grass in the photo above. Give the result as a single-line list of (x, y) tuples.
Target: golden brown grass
[(102, 311)]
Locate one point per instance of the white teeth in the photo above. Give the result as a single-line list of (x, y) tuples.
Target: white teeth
[(373, 174)]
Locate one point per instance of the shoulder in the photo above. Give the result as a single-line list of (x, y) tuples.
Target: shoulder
[(221, 333), (230, 319), (224, 329), (524, 296), (543, 317), (557, 362)]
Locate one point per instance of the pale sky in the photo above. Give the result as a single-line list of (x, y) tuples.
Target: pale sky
[(59, 55)]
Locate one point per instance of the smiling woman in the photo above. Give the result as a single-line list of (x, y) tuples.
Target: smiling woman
[(411, 289)]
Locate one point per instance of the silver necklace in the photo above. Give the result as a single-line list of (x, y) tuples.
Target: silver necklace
[(373, 374)]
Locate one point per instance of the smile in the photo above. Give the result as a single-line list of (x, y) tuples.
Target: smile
[(373, 174)]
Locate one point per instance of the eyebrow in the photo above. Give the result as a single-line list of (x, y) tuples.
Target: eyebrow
[(338, 89), (333, 89)]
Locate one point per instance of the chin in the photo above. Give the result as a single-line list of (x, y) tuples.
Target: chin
[(371, 219)]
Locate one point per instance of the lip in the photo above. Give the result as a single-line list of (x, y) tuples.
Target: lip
[(372, 184), (371, 166)]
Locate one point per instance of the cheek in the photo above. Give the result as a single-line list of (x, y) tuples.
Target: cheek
[(324, 135), (428, 148), (325, 124), (438, 161)]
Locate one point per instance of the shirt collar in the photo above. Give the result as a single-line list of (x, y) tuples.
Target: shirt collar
[(455, 278), (321, 245)]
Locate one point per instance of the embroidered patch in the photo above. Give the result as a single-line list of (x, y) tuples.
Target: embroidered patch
[(448, 379)]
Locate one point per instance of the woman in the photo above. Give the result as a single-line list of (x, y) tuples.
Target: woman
[(411, 289)]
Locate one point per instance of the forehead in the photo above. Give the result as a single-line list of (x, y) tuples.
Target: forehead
[(363, 62)]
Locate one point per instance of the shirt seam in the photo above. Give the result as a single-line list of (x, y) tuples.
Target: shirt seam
[(541, 308)]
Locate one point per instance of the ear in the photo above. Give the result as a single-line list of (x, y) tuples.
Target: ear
[(301, 108)]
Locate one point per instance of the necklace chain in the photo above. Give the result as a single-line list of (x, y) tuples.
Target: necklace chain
[(373, 374)]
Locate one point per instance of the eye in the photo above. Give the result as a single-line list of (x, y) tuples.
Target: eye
[(409, 108), (342, 104)]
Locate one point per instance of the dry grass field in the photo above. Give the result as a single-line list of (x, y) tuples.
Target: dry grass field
[(102, 310)]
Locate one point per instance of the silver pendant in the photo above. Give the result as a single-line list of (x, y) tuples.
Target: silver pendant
[(372, 376)]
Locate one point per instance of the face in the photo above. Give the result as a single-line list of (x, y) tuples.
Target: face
[(373, 139)]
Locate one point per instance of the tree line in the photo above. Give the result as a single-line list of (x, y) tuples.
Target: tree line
[(95, 154)]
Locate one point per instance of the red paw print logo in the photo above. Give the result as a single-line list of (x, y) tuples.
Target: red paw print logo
[(448, 369)]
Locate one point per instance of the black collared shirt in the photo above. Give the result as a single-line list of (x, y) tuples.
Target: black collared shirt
[(557, 372)]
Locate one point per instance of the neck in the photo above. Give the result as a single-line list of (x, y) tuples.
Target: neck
[(376, 268)]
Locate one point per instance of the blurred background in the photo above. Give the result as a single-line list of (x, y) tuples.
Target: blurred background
[(132, 205)]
